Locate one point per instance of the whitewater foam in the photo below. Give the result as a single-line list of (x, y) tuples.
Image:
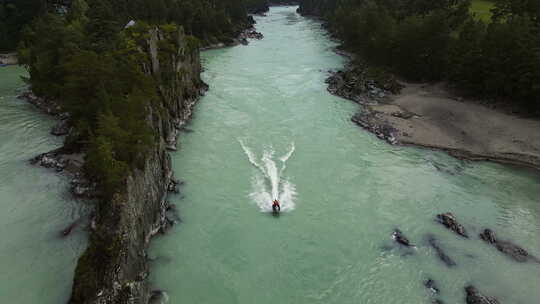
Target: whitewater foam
[(268, 182)]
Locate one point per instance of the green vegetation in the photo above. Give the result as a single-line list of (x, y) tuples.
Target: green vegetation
[(98, 79), (482, 9), (82, 56), (442, 40), (14, 15)]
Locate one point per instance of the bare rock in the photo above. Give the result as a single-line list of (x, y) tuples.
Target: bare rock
[(431, 285), (475, 297), (449, 221), (52, 160), (398, 236), (512, 250), (368, 120)]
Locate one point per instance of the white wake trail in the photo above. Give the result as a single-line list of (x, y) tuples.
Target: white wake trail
[(286, 157), (268, 183), (251, 157)]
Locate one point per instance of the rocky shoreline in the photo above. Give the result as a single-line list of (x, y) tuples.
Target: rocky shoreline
[(114, 268), (242, 39), (430, 116)]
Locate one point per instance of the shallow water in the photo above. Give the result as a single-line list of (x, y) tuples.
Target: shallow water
[(36, 265), (343, 191)]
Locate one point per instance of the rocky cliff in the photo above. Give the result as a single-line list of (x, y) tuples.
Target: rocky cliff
[(114, 268)]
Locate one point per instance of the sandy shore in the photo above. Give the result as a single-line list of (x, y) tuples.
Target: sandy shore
[(428, 115)]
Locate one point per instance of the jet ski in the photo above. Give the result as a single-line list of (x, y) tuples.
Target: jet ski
[(276, 208)]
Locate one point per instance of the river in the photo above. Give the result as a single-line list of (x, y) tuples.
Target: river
[(267, 129), (36, 264), (343, 192)]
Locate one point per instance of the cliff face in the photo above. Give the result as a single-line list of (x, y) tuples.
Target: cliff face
[(114, 268)]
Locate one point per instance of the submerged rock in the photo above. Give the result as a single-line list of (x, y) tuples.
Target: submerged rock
[(440, 252), (475, 297), (158, 297), (67, 231), (449, 221), (398, 236), (368, 120), (514, 251), (431, 285)]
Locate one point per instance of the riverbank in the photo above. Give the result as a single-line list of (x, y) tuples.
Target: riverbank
[(429, 115)]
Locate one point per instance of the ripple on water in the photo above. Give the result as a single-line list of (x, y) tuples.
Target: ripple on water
[(352, 189), (34, 208)]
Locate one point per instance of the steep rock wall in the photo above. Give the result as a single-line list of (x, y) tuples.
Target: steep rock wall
[(114, 268)]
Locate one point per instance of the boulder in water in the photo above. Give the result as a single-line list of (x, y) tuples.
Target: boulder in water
[(514, 251), (475, 297), (431, 285), (440, 252), (449, 221), (398, 236), (67, 231), (50, 159)]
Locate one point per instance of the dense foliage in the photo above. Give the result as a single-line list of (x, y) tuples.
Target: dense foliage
[(442, 40), (83, 60), (80, 53), (14, 15)]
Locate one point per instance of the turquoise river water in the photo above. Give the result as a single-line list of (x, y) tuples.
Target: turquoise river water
[(269, 129), (343, 192), (36, 264)]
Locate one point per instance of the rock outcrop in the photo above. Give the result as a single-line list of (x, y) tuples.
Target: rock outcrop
[(114, 268), (510, 249), (362, 84), (48, 106), (370, 120), (401, 239), (449, 221), (475, 297)]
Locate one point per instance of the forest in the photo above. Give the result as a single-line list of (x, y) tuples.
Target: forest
[(80, 54), (496, 58)]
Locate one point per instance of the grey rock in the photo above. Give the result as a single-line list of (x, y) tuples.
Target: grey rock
[(449, 221), (510, 249), (475, 297), (398, 236), (431, 285)]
